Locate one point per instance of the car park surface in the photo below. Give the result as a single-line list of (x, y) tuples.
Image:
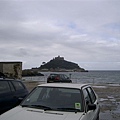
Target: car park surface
[(58, 78), (12, 93), (57, 101)]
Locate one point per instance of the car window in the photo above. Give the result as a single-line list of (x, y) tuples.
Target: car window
[(56, 98), (66, 77), (4, 87), (11, 86), (61, 77), (86, 96), (18, 85), (53, 76), (35, 96), (92, 94)]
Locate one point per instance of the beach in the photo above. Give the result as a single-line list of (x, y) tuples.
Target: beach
[(109, 97)]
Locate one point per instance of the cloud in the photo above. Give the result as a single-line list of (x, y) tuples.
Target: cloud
[(85, 32)]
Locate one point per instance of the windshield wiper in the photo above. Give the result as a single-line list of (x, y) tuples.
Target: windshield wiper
[(69, 109), (38, 106), (42, 106)]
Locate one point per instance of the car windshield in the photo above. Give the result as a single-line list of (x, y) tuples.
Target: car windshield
[(55, 98)]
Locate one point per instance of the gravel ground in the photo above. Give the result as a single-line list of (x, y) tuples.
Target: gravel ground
[(109, 101), (109, 96)]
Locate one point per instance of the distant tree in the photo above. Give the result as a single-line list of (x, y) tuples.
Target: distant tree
[(31, 73), (43, 63)]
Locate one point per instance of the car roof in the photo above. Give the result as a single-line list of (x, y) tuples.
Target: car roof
[(7, 79), (64, 85), (57, 74)]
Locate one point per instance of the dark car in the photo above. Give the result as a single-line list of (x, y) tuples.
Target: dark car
[(58, 78), (11, 93)]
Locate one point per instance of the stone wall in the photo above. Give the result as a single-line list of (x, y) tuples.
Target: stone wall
[(11, 69)]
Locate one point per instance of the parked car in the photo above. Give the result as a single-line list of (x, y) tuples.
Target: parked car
[(58, 78), (57, 101), (11, 93)]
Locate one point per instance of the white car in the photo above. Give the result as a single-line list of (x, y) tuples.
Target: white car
[(57, 101)]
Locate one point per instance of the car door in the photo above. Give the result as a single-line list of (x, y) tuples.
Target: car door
[(20, 91), (94, 100), (6, 96), (90, 98)]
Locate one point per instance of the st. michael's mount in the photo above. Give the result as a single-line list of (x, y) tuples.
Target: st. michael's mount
[(58, 64)]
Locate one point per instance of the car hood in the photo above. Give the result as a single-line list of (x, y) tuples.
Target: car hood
[(19, 113)]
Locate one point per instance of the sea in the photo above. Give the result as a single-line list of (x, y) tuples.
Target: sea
[(98, 77)]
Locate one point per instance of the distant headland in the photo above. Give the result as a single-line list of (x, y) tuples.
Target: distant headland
[(57, 64)]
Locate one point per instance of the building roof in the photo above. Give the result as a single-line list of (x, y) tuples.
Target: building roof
[(10, 62)]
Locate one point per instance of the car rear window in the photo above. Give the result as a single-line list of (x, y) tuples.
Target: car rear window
[(18, 85), (4, 87), (53, 75)]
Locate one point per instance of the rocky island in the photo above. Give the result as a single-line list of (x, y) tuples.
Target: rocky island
[(59, 64)]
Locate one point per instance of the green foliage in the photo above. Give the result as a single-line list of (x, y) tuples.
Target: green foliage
[(31, 73)]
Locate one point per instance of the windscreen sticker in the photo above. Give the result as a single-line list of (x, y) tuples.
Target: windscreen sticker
[(77, 106)]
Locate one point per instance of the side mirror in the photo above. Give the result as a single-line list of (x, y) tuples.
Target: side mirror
[(91, 106)]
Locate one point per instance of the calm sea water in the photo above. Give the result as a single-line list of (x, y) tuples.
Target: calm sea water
[(84, 77)]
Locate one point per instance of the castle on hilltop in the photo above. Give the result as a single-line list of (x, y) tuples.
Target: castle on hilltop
[(59, 64), (59, 58)]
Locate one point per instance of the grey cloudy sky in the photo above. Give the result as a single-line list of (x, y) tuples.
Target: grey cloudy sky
[(86, 32)]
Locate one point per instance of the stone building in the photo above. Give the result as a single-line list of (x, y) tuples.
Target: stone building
[(11, 69), (59, 58)]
